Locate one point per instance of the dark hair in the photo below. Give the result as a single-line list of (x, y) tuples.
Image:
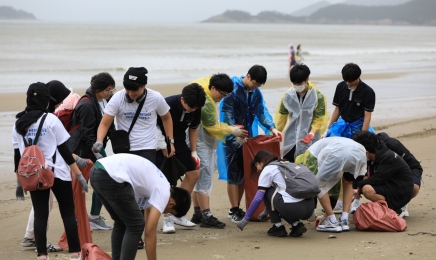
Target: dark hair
[(182, 199), (101, 81), (367, 139), (221, 82), (258, 73), (351, 72), (299, 73), (132, 85), (264, 157), (194, 95), (298, 47)]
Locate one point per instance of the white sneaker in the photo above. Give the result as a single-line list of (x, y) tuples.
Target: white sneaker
[(354, 205), (328, 226), (405, 210), (344, 225), (182, 221), (338, 209), (168, 226)]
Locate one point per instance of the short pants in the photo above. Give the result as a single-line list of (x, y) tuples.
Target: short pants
[(380, 190)]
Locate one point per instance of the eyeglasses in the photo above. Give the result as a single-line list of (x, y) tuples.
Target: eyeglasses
[(223, 94), (110, 91)]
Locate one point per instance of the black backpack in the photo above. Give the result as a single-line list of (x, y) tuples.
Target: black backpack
[(300, 181)]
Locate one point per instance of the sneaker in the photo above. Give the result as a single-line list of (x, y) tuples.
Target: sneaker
[(52, 248), (328, 226), (212, 222), (196, 218), (168, 226), (182, 221), (238, 216), (76, 257), (141, 243), (337, 209), (231, 213), (402, 212), (354, 205), (343, 223), (27, 242), (275, 231), (99, 223), (405, 210), (298, 230)]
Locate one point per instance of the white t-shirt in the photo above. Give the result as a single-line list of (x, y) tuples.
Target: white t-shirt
[(271, 174), (148, 182), (143, 134), (53, 134)]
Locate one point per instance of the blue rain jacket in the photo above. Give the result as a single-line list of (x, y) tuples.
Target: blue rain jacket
[(236, 109)]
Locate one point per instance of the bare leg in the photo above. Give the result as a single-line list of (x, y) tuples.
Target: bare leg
[(369, 192), (233, 192), (415, 190), (195, 199), (347, 194), (241, 192), (190, 179), (203, 200), (325, 203)]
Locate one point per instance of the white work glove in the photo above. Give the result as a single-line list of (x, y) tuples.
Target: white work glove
[(81, 163), (82, 182), (238, 131), (196, 159), (98, 155), (96, 148), (240, 140)]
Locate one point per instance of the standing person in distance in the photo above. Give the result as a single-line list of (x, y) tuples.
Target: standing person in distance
[(299, 55)]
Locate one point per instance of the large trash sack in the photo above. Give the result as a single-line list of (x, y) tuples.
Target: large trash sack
[(249, 150), (93, 252), (173, 169), (376, 216)]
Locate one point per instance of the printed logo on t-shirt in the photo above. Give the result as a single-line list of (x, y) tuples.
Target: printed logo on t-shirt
[(143, 115), (31, 133), (142, 203)]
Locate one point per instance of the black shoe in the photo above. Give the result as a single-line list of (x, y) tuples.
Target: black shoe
[(298, 230), (238, 216), (277, 231), (211, 222), (196, 218), (141, 244)]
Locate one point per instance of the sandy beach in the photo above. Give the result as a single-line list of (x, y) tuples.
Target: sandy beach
[(408, 116)]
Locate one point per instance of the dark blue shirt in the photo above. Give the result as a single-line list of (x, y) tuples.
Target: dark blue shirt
[(353, 104), (181, 120)]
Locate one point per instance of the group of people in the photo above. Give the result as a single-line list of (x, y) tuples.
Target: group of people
[(188, 127)]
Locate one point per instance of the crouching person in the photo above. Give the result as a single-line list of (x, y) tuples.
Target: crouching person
[(390, 178), (126, 184), (279, 204)]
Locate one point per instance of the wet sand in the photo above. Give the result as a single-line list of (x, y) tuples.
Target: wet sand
[(410, 117)]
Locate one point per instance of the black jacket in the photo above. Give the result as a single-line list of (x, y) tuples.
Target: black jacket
[(392, 172), (88, 113), (396, 146)]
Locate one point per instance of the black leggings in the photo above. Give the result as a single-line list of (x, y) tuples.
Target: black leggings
[(63, 192), (291, 212)]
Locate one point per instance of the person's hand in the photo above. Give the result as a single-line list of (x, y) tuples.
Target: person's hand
[(83, 182), (96, 148), (262, 216), (241, 140), (98, 156), (325, 134), (241, 224), (19, 191), (196, 159), (277, 134), (239, 131), (307, 138), (173, 151), (81, 163)]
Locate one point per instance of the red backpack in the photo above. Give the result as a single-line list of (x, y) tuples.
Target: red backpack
[(66, 117), (33, 172)]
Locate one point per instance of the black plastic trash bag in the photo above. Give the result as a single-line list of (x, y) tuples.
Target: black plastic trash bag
[(172, 168)]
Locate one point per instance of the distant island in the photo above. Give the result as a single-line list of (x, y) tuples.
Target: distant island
[(416, 12), (9, 13)]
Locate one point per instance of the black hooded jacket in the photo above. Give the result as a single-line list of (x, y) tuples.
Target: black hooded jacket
[(88, 113), (392, 172), (396, 146)]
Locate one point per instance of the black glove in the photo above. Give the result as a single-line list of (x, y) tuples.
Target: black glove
[(19, 191)]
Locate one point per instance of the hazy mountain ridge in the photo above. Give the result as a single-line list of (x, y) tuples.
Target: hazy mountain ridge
[(9, 13), (416, 12)]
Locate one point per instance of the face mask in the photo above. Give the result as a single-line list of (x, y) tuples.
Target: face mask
[(300, 88)]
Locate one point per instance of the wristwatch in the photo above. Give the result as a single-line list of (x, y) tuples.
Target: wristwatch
[(172, 141)]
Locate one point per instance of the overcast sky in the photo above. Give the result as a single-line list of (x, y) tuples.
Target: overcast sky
[(149, 10)]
